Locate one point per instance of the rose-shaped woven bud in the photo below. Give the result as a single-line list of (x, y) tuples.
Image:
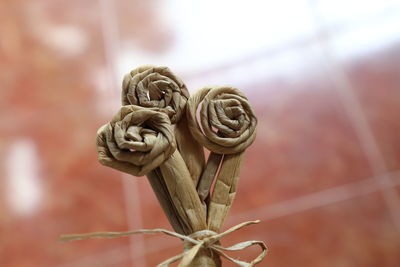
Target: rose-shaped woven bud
[(155, 87), (136, 141), (227, 121)]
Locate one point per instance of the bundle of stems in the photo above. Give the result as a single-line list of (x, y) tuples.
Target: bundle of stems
[(157, 133)]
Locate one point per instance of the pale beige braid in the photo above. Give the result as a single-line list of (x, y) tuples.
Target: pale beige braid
[(227, 126), (157, 87)]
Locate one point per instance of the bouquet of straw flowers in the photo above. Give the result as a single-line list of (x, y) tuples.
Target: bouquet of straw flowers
[(160, 132)]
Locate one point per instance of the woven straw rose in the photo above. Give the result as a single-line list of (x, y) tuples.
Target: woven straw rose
[(155, 87), (159, 88), (227, 127), (141, 141), (227, 121), (136, 141)]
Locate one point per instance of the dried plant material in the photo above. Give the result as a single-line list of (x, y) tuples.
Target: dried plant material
[(207, 178), (183, 193), (226, 110), (136, 141), (160, 189), (194, 244), (191, 151), (227, 126), (224, 191), (156, 134), (157, 87)]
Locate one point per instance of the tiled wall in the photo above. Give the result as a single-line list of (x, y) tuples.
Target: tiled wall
[(323, 174)]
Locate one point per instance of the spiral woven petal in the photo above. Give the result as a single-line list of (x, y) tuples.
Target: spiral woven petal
[(155, 87), (227, 121), (136, 141)]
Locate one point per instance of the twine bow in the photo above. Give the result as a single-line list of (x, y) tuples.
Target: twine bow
[(210, 242)]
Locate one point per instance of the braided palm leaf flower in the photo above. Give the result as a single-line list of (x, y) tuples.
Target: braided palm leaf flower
[(155, 87), (227, 127), (136, 141)]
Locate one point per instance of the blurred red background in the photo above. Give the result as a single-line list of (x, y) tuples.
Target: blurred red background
[(323, 174)]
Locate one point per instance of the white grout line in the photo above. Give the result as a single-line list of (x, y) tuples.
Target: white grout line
[(133, 210), (358, 118)]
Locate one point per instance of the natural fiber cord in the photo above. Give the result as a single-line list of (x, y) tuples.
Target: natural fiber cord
[(194, 244)]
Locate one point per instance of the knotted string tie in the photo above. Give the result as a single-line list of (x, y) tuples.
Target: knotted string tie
[(201, 239)]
